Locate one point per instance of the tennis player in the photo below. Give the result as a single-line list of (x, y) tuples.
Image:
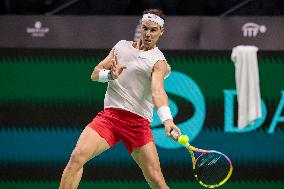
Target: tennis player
[(135, 73)]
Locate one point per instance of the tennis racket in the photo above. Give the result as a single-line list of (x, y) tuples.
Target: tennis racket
[(210, 168)]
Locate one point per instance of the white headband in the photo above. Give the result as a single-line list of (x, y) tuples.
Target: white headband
[(154, 18)]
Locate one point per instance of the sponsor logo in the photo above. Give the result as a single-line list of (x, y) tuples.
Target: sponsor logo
[(37, 30), (252, 29)]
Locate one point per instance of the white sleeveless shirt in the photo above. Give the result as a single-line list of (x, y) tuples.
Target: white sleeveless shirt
[(131, 91)]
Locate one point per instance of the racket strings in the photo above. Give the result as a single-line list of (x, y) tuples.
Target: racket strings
[(212, 168)]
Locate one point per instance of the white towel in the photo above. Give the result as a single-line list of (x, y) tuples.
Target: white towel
[(247, 82)]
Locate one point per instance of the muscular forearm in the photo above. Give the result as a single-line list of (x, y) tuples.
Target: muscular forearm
[(159, 98), (95, 74), (104, 64), (108, 69)]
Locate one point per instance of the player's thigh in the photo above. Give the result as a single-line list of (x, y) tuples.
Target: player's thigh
[(89, 144), (147, 158)]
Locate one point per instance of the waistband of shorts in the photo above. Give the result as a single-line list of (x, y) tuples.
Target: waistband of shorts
[(122, 112)]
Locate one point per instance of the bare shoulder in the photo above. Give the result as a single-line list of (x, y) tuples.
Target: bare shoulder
[(160, 65), (160, 69)]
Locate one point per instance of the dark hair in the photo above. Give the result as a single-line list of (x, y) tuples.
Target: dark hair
[(157, 12)]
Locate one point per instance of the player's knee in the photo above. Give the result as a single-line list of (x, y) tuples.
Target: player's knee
[(77, 159)]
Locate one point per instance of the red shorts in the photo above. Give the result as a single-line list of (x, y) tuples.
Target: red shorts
[(116, 125)]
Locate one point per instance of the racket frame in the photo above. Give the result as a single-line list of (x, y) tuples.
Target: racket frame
[(193, 149)]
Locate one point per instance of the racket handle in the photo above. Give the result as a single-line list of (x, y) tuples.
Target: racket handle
[(174, 134)]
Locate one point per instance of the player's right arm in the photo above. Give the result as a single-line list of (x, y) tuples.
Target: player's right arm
[(104, 64), (109, 63)]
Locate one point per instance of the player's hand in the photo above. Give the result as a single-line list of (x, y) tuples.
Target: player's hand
[(170, 125), (116, 68)]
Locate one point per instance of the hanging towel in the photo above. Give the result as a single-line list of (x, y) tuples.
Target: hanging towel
[(247, 82)]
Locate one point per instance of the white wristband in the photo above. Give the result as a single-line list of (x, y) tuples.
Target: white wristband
[(164, 113), (103, 75)]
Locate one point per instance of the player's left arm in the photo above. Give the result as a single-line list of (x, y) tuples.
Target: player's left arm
[(160, 97)]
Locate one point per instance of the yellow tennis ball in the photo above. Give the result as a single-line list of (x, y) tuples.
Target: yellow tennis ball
[(183, 139)]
